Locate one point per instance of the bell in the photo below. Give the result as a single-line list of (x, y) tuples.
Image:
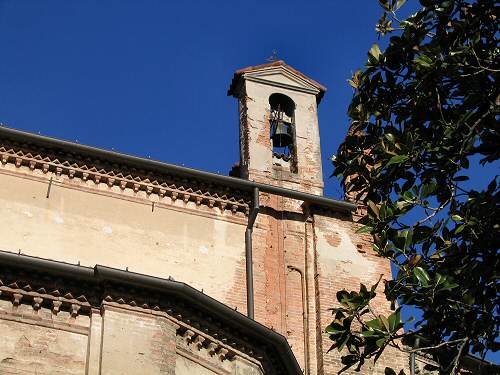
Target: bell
[(282, 136)]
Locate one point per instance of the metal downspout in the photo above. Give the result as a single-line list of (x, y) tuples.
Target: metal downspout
[(413, 365), (248, 254)]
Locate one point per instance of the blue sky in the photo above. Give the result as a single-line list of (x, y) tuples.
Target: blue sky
[(150, 77)]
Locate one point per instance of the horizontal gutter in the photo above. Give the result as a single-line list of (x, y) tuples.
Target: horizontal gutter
[(100, 275), (153, 165)]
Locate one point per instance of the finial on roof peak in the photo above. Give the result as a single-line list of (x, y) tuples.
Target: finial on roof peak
[(273, 57)]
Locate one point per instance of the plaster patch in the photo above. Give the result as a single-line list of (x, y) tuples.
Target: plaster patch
[(28, 213), (107, 230), (203, 249), (59, 220), (342, 255), (333, 239)]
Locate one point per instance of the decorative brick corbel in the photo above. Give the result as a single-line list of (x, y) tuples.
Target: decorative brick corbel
[(199, 342), (56, 307), (16, 299), (74, 310), (188, 335), (223, 353), (212, 348), (37, 303)]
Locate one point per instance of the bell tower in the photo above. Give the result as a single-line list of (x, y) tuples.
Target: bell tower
[(279, 131)]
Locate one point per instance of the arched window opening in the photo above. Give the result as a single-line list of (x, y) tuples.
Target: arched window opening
[(283, 128)]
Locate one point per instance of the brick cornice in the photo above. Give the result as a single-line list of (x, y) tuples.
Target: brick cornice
[(99, 171)]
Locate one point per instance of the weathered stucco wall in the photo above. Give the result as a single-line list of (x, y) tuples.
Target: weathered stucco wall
[(345, 259), (86, 227)]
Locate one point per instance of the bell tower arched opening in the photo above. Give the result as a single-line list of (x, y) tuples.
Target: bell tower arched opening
[(282, 129)]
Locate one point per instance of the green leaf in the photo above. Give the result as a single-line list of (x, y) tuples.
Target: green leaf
[(397, 159), (365, 229), (399, 4), (428, 189), (439, 279), (374, 208), (422, 276), (390, 137), (375, 324), (375, 51), (389, 371), (384, 4), (408, 234), (381, 342), (457, 218), (424, 61), (395, 320), (385, 322), (342, 343), (334, 331), (370, 333)]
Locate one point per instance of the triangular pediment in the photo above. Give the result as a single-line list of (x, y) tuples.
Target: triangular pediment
[(276, 73), (281, 76)]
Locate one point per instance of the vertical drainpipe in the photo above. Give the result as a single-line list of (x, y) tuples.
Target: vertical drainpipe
[(248, 253), (413, 365)]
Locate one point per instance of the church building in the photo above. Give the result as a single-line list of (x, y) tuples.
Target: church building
[(112, 264)]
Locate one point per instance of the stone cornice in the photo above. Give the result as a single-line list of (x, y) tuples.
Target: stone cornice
[(99, 171)]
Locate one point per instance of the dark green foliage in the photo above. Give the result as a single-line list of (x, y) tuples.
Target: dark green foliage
[(423, 110)]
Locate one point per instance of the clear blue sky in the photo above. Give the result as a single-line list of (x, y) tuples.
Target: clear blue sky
[(150, 78)]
